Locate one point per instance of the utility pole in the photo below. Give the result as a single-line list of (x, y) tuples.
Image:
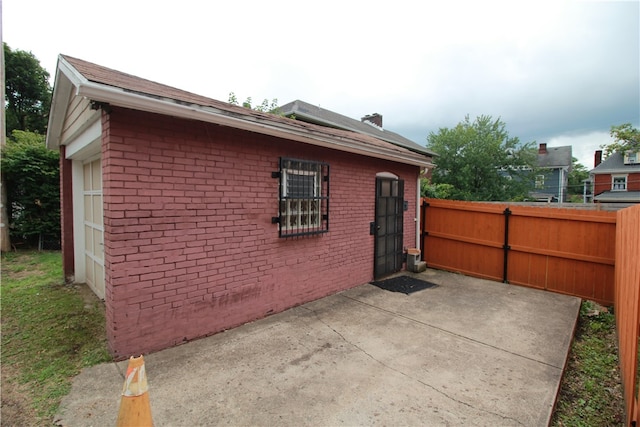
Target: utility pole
[(5, 243)]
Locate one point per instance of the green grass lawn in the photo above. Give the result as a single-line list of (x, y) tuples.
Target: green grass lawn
[(50, 330)]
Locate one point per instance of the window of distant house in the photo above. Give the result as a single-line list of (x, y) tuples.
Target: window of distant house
[(619, 183), (539, 181), (304, 198)]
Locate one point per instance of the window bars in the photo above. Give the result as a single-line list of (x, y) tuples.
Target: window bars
[(303, 197)]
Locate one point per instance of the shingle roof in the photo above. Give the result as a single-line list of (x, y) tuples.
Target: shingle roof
[(314, 114), (618, 197), (107, 76), (615, 164), (102, 78), (556, 157)]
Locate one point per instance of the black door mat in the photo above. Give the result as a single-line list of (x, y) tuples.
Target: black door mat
[(403, 284)]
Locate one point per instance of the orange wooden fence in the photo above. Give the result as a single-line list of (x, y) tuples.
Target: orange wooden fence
[(561, 250), (590, 254), (627, 304)]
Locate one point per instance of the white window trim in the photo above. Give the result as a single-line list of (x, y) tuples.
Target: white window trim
[(613, 180), (316, 180), (631, 157)]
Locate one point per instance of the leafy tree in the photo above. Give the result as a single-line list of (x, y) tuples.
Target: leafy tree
[(625, 136), (27, 91), (481, 161), (436, 191), (578, 174), (33, 186)]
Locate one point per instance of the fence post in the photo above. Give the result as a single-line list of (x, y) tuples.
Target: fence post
[(506, 247), (423, 226)]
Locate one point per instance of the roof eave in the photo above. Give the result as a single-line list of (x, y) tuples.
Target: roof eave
[(631, 169), (119, 97), (67, 78)]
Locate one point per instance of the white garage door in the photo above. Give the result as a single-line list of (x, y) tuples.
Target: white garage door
[(93, 227)]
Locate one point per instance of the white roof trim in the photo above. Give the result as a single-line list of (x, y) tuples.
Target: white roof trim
[(82, 143)]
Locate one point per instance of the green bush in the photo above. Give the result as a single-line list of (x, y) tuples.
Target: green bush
[(32, 176), (436, 191)]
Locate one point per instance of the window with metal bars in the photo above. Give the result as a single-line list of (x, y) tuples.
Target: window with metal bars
[(304, 197)]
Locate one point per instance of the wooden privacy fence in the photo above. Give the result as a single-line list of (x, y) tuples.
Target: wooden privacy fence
[(590, 254), (560, 250), (627, 304)]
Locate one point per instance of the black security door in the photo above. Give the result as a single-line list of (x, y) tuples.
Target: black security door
[(388, 226)]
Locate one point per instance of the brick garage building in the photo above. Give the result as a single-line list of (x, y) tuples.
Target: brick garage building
[(189, 216)]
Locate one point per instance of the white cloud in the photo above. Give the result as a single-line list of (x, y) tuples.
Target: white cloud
[(547, 68)]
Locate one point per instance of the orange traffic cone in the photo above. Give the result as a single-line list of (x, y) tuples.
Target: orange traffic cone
[(135, 409)]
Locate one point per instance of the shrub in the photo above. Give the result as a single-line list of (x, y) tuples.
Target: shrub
[(32, 176)]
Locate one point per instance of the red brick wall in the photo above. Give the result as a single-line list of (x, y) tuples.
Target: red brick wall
[(603, 183), (190, 249)]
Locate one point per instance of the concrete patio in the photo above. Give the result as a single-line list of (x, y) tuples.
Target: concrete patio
[(466, 352)]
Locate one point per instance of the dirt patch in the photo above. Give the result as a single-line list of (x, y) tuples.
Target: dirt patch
[(89, 298), (17, 409), (18, 275)]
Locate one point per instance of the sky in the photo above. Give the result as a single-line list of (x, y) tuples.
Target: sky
[(556, 72)]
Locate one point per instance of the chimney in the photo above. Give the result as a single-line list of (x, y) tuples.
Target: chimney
[(597, 159), (543, 148), (375, 119)]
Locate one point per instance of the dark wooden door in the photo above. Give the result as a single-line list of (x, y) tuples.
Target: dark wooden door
[(388, 226)]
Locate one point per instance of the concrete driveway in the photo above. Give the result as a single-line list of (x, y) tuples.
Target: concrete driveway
[(467, 352)]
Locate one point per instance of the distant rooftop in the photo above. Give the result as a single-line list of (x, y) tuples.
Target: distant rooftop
[(554, 157), (615, 164), (618, 197), (370, 125)]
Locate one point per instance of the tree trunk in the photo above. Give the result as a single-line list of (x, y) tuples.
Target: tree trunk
[(5, 242)]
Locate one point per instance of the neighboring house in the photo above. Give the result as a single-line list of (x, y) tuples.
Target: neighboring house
[(554, 166), (616, 179), (189, 216)]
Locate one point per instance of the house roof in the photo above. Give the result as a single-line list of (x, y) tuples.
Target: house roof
[(615, 164), (314, 114), (618, 197), (76, 77), (555, 157), (543, 197)]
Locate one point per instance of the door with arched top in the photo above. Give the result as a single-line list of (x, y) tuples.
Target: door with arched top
[(388, 226)]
